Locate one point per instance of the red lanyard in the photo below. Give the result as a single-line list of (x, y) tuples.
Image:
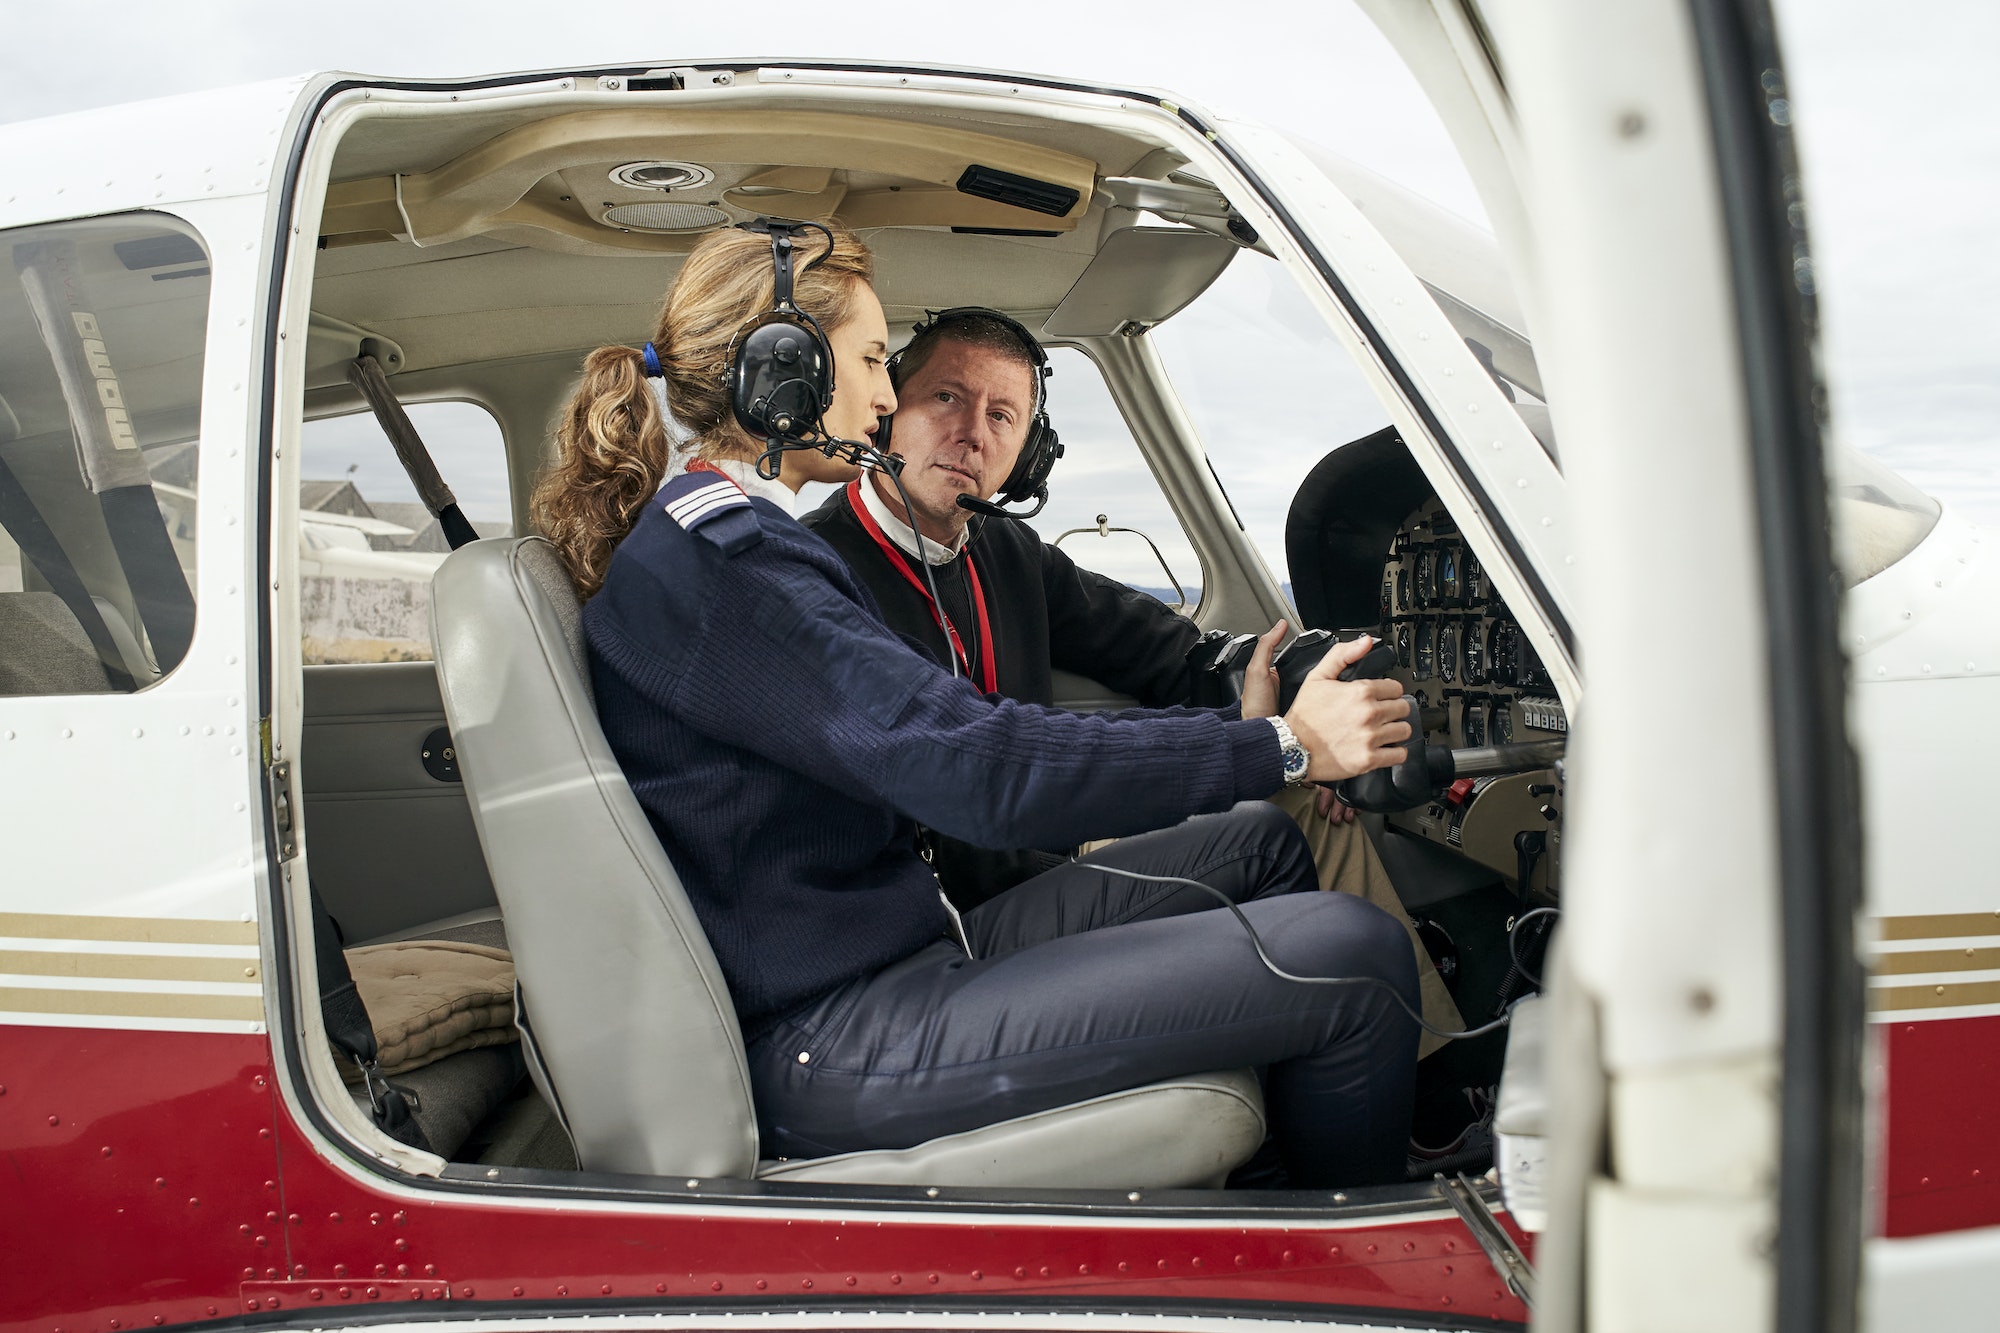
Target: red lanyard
[(988, 676)]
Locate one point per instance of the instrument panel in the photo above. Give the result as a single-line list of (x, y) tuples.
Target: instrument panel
[(1458, 649), (1461, 652)]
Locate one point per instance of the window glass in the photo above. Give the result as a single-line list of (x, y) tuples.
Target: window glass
[(1269, 389), (367, 545), (1461, 266), (103, 326), (1103, 476)]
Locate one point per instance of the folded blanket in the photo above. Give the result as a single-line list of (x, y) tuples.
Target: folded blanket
[(431, 998)]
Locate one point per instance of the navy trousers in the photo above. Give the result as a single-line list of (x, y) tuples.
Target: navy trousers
[(1083, 983)]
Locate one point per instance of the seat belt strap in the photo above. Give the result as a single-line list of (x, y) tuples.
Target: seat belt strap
[(31, 532), (353, 1035), (365, 374)]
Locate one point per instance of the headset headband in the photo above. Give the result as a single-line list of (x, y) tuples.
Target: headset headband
[(782, 232), (935, 324)]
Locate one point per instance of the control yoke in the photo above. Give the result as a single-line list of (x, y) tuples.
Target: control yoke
[(1215, 667), (1429, 769)]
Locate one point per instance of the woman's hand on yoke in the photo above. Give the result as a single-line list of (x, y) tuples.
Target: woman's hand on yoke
[(1349, 727)]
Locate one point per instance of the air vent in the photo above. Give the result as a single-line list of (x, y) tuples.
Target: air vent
[(1004, 187), (665, 216), (661, 175)]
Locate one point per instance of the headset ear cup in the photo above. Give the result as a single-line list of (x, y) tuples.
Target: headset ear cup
[(780, 377), (1031, 469)]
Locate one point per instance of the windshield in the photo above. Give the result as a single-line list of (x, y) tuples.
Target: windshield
[(1460, 265), (1878, 517)]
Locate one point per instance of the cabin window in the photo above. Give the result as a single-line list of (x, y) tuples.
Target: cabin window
[(367, 545), (1102, 473), (1270, 392), (103, 326)]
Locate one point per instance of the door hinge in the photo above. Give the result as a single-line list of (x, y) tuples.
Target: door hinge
[(284, 813), (1509, 1264)]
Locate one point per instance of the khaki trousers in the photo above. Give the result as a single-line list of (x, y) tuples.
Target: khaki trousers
[(1347, 863)]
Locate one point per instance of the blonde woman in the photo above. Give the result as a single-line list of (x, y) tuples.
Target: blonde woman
[(790, 751)]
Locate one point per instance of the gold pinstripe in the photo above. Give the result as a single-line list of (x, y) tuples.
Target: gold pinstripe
[(126, 929), (130, 1004), (1943, 926), (128, 966)]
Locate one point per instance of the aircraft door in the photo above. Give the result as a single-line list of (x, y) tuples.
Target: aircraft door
[(129, 744), (1638, 165)]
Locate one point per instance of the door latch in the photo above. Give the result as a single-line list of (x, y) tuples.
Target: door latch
[(284, 813)]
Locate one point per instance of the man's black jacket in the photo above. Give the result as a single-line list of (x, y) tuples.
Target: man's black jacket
[(1044, 612)]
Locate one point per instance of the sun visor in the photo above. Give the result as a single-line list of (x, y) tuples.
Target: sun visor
[(1142, 275)]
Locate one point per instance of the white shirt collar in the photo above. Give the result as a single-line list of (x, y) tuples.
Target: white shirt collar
[(744, 473), (901, 533)]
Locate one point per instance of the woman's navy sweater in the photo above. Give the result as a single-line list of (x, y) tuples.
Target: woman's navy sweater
[(784, 743)]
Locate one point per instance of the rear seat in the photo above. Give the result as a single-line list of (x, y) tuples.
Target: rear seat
[(477, 1105)]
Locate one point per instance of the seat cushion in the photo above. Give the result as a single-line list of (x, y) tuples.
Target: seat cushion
[(1188, 1132)]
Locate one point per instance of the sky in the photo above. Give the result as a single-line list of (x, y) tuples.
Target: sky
[(1899, 125)]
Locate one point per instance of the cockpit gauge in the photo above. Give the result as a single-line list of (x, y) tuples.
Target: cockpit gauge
[(1426, 664), (1501, 641), (1427, 577), (1475, 581), (1475, 654), (1403, 650), (1474, 715), (1449, 586), (1448, 648), (1388, 597), (1501, 732), (1402, 590)]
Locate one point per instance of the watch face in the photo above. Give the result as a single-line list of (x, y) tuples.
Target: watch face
[(1295, 762)]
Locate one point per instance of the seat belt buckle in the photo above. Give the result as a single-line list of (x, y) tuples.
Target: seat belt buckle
[(928, 851)]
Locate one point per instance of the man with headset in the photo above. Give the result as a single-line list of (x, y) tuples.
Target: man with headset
[(972, 423)]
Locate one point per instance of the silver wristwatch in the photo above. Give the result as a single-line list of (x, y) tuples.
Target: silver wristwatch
[(1291, 754)]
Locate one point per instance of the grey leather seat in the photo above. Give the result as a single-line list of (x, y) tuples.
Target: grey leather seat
[(626, 1020)]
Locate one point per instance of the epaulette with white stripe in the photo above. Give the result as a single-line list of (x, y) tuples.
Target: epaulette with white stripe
[(712, 505)]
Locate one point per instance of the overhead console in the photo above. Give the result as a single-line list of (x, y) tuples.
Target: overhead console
[(650, 179), (1371, 549)]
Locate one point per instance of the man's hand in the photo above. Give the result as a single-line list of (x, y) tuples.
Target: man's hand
[(1260, 680), (1349, 727), (1331, 808)]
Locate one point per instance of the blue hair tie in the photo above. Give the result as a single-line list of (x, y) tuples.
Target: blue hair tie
[(653, 371)]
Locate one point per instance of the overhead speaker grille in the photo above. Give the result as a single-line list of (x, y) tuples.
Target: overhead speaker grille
[(665, 215)]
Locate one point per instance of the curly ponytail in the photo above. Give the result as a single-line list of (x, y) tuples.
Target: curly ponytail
[(612, 450), (612, 454)]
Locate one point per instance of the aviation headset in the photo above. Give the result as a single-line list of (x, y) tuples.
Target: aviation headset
[(780, 365), (1029, 479)]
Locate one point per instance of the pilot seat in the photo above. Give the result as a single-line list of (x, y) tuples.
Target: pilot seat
[(625, 1019)]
